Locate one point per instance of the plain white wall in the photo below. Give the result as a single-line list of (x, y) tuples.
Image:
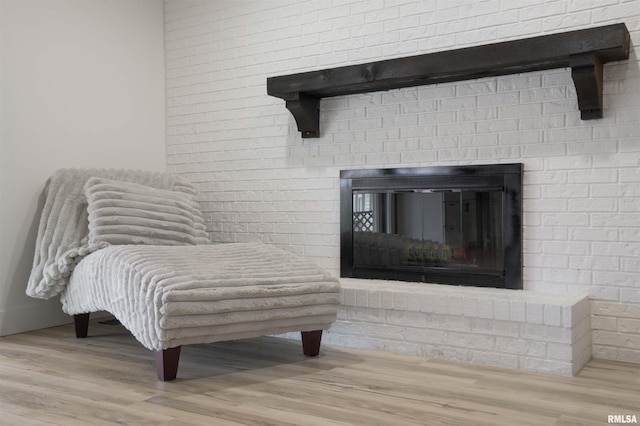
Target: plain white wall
[(82, 85)]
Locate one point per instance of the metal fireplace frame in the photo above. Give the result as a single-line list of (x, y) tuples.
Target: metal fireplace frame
[(508, 177)]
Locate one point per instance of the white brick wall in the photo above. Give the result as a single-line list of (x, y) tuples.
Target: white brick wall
[(259, 180), (534, 331)]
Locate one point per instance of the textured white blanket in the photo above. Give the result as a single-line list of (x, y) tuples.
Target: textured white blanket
[(62, 235), (169, 296)]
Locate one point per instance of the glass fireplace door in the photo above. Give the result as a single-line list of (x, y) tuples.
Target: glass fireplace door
[(422, 228)]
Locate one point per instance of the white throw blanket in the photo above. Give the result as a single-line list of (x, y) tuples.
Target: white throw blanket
[(169, 296), (62, 235)]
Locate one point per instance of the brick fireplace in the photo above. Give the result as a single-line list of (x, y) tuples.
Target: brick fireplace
[(519, 329), (459, 226), (260, 181)]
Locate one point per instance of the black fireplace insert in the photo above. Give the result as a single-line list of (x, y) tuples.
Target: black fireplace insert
[(458, 225)]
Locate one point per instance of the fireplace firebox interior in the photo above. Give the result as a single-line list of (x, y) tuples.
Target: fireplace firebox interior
[(459, 225)]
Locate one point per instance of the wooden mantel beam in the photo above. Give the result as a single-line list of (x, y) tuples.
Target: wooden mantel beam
[(584, 51)]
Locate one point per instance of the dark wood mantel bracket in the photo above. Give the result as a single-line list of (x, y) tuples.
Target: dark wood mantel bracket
[(586, 72), (584, 51), (306, 110)]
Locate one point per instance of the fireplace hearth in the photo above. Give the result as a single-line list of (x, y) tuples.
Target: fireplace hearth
[(458, 225)]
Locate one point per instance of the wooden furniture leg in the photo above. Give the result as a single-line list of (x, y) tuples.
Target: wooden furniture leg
[(167, 363), (311, 342), (81, 322)]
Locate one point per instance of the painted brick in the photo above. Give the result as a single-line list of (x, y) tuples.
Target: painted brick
[(517, 311), (413, 303), (243, 150), (520, 346), (552, 315), (630, 295), (535, 313), (615, 339), (628, 355), (627, 325), (400, 301), (455, 336), (470, 306), (440, 304), (501, 310), (426, 303)]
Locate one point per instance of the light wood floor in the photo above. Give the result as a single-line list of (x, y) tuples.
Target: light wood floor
[(50, 377)]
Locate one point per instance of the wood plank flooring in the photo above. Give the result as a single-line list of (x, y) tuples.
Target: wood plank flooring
[(50, 377)]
